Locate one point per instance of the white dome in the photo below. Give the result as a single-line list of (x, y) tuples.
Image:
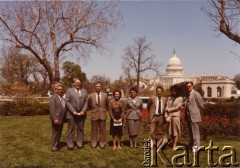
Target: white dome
[(174, 67), (174, 61)]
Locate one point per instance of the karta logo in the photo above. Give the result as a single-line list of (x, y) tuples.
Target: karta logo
[(156, 156)]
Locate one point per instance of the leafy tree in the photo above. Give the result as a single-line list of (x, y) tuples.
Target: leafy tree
[(138, 60), (185, 91), (71, 71), (50, 30), (237, 80)]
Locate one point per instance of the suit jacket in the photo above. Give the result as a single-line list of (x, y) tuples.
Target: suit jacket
[(136, 107), (173, 106), (76, 103), (57, 110), (195, 106), (152, 105), (98, 112)]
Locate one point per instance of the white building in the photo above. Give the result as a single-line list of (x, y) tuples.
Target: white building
[(174, 74), (214, 86), (218, 86)]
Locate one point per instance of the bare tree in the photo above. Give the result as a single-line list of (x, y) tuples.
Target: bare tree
[(52, 29), (17, 67), (226, 17), (138, 60), (103, 79)]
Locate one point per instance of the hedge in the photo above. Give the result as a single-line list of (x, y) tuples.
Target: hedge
[(23, 109)]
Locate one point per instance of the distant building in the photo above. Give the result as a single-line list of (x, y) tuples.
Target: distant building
[(214, 86), (218, 86)]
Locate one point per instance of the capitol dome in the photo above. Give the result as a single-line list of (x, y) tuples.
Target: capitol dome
[(174, 67)]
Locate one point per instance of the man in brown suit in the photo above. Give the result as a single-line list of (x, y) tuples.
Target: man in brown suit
[(57, 110), (98, 105), (156, 108)]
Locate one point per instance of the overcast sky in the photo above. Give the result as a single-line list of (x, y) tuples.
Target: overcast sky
[(169, 25)]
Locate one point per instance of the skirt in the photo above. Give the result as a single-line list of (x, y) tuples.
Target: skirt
[(116, 130), (174, 127), (133, 127)]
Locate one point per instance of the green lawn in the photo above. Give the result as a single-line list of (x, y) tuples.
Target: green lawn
[(25, 142)]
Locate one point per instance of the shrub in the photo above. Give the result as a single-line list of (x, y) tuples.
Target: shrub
[(220, 125), (23, 109), (145, 119), (231, 110)]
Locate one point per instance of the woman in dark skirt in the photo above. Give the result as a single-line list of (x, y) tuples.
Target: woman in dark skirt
[(116, 110)]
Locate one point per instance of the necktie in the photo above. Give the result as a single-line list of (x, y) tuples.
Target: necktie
[(79, 93), (159, 105), (62, 102), (98, 103)]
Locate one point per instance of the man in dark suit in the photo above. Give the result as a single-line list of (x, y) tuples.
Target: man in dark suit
[(98, 105), (194, 107), (57, 114), (76, 101), (156, 107)]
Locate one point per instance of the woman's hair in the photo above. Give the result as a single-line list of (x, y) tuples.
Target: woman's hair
[(118, 92), (177, 90)]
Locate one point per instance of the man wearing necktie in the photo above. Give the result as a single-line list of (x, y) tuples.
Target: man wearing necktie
[(76, 101), (156, 108), (57, 114), (98, 106)]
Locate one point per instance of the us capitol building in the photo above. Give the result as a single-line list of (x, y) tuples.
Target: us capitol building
[(214, 86)]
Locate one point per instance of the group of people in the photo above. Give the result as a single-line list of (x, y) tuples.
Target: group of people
[(168, 110), (125, 112)]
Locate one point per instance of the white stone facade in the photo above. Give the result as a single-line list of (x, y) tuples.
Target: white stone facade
[(214, 86), (217, 86)]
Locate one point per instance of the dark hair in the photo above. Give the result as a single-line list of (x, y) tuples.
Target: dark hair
[(177, 90), (118, 92), (98, 82), (190, 82), (134, 89), (159, 87)]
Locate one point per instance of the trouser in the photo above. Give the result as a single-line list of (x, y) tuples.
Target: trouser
[(56, 134), (194, 132), (72, 123), (98, 131), (156, 127)]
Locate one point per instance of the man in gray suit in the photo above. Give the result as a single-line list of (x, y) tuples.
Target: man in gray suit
[(76, 101), (156, 107), (194, 107), (98, 105), (57, 114)]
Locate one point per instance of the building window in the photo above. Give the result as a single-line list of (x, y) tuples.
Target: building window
[(233, 90), (219, 92), (209, 92)]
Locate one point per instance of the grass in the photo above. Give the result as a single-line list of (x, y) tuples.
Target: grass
[(25, 142)]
